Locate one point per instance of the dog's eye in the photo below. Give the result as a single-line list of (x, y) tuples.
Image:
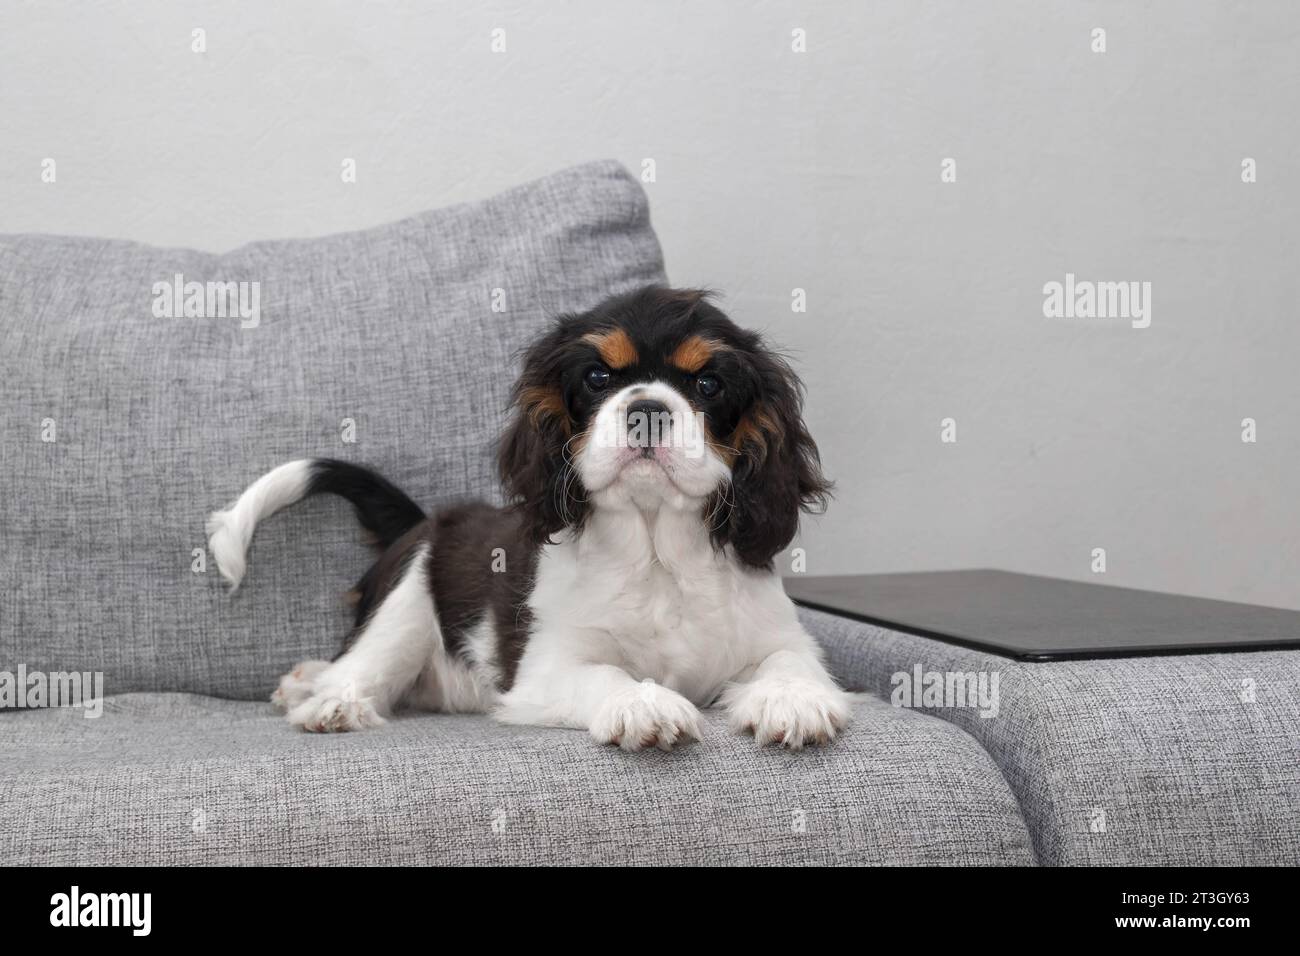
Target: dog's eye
[(709, 386), (597, 378)]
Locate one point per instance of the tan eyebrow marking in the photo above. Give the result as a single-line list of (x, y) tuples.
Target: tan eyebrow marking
[(615, 347), (694, 353)]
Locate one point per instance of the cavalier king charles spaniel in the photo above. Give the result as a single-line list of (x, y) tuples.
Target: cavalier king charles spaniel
[(655, 464)]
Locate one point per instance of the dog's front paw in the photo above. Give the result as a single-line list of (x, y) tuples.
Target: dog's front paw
[(648, 715), (329, 713), (297, 685), (791, 711)]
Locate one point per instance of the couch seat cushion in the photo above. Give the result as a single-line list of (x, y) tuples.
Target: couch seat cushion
[(185, 779)]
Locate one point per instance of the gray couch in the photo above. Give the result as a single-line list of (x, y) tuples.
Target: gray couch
[(395, 346)]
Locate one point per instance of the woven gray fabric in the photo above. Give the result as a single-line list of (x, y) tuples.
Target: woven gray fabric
[(180, 779), (1143, 761), (157, 421)]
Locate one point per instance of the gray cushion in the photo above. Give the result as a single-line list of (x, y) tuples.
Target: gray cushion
[(1139, 761), (173, 779), (160, 420)]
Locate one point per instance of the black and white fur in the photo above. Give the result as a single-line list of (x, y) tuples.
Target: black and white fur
[(625, 586)]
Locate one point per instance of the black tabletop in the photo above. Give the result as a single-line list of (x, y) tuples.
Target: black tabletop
[(1043, 619)]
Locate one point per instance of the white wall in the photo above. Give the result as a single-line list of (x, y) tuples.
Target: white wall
[(818, 170)]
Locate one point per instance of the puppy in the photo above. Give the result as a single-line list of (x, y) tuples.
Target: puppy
[(655, 464)]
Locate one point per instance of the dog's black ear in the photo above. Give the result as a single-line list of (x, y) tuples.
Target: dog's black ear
[(776, 471), (534, 458)]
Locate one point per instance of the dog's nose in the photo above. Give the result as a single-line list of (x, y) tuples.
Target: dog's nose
[(646, 419)]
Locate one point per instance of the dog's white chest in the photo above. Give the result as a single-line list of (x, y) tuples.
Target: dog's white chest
[(673, 631), (676, 627)]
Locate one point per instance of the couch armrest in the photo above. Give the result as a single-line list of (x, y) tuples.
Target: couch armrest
[(1169, 760), (851, 647)]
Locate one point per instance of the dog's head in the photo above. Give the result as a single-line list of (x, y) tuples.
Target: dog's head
[(656, 399)]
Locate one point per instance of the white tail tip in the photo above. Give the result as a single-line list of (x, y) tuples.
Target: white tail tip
[(230, 532), (229, 549)]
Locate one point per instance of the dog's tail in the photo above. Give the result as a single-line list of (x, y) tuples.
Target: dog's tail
[(381, 507)]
